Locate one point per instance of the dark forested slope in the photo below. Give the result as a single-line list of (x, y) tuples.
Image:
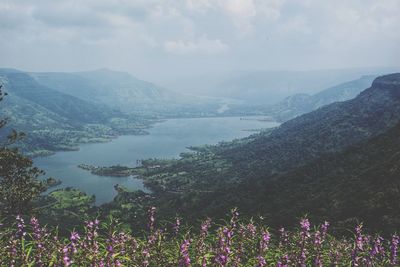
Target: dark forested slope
[(328, 129), (340, 162), (361, 183)]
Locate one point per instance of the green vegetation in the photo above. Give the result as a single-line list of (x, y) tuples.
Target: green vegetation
[(332, 164), (19, 184), (122, 91), (233, 243), (70, 198), (116, 171), (57, 121)]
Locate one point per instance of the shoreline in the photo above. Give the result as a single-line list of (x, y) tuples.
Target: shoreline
[(47, 153)]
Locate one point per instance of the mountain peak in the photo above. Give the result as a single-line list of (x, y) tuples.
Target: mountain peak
[(387, 80)]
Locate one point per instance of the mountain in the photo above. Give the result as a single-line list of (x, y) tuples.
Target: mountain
[(361, 183), (329, 129), (122, 91), (313, 163), (74, 109), (268, 87), (58, 121), (299, 104)]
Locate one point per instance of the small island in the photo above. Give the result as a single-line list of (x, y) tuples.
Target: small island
[(52, 182), (115, 171), (145, 167)]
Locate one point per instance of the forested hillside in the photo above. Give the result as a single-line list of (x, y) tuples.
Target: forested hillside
[(329, 129), (339, 162), (124, 92), (360, 184), (58, 121), (300, 104)]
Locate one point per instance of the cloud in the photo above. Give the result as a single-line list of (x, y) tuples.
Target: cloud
[(242, 13), (202, 46), (47, 34)]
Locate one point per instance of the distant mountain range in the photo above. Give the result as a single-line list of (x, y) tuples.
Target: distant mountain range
[(329, 129), (60, 110), (299, 104), (128, 94), (269, 87), (75, 110), (54, 120)]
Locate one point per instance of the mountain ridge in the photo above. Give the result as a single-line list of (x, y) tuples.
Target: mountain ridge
[(298, 104), (57, 121), (269, 172), (121, 90), (340, 124)]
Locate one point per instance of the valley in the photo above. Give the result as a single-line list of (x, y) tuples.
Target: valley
[(166, 140), (199, 133), (327, 158), (61, 111)]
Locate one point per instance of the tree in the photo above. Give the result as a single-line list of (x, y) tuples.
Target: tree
[(19, 183)]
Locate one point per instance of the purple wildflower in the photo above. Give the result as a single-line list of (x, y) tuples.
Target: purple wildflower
[(265, 238), (358, 247), (223, 250), (221, 259), (234, 218), (393, 249), (204, 261), (20, 227), (261, 261), (184, 251), (284, 237), (305, 228), (284, 262), (205, 226), (304, 235), (377, 251), (91, 243), (74, 238), (151, 213), (146, 256), (251, 229), (66, 259), (38, 235), (176, 226), (324, 229)]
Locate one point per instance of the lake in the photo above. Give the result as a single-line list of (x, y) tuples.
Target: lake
[(167, 139)]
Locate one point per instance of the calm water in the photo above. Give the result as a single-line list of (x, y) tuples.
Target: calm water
[(166, 140)]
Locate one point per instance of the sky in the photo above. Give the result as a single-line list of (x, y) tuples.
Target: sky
[(155, 39)]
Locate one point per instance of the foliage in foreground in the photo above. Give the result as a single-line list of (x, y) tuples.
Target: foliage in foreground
[(19, 183), (235, 243)]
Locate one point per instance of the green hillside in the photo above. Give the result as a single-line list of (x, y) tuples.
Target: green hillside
[(58, 121), (340, 162), (122, 91), (300, 104)]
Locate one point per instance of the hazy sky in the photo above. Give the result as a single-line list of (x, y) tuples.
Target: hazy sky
[(158, 38)]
